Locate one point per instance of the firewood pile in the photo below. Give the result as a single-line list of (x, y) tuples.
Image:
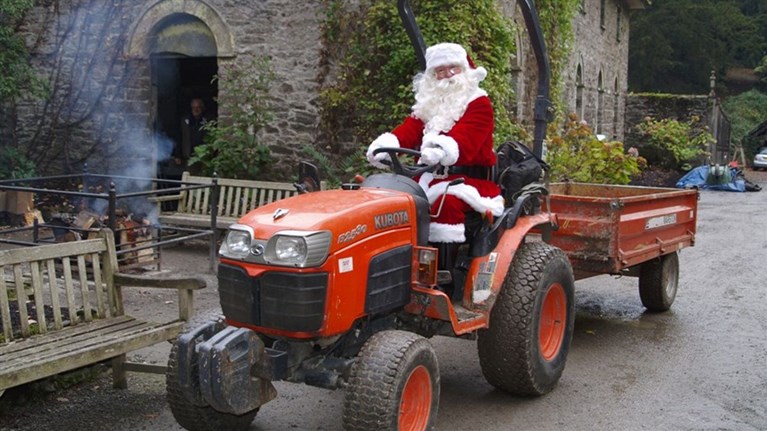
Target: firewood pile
[(61, 219), (132, 231)]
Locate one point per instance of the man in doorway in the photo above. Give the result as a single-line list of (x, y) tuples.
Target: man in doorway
[(192, 132)]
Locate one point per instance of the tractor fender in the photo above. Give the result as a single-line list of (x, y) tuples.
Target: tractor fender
[(486, 273)]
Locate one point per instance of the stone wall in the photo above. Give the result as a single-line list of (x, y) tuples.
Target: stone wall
[(682, 108), (102, 111), (96, 56)]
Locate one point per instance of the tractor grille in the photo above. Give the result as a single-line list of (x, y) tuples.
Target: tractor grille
[(277, 300)]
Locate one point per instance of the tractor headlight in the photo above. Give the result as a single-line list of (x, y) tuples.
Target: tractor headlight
[(236, 245), (297, 248)]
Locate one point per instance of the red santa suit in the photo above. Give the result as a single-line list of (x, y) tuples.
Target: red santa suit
[(463, 136)]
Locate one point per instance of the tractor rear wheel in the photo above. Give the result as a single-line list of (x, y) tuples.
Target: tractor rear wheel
[(524, 350), (195, 417), (658, 282), (394, 385)]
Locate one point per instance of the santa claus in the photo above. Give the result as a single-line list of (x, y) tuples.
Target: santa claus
[(452, 125)]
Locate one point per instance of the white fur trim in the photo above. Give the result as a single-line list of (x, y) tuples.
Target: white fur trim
[(448, 144), (383, 141), (468, 194), (425, 180), (476, 95), (444, 54), (480, 73), (442, 232)]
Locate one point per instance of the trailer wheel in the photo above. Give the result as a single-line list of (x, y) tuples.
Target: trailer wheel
[(524, 350), (195, 417), (658, 282), (394, 385)]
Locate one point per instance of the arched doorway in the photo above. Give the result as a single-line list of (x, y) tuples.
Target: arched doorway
[(183, 56), (181, 42)]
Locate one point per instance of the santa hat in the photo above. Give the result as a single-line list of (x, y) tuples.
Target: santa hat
[(444, 54)]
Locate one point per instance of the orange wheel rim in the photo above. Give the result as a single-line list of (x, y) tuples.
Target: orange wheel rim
[(552, 325), (415, 406)]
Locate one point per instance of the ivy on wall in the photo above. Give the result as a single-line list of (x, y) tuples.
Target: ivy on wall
[(371, 91)]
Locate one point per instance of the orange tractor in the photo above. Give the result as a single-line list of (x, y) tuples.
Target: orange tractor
[(341, 289)]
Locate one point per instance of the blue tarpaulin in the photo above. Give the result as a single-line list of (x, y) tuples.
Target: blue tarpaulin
[(698, 177)]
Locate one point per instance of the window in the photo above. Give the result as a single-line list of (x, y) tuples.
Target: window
[(602, 13), (618, 24), (579, 93), (599, 127), (616, 109)]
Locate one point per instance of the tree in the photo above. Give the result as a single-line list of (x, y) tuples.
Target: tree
[(675, 44)]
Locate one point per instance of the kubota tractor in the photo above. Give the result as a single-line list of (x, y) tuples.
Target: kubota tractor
[(341, 289)]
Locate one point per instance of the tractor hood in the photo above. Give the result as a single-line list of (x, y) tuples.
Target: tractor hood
[(347, 214)]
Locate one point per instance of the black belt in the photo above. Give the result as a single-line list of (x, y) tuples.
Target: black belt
[(479, 172)]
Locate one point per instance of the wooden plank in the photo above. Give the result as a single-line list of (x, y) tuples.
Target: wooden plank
[(83, 341), (5, 308), (65, 333), (85, 295), (101, 308), (54, 288), (145, 368), (43, 252), (37, 288), (235, 204), (104, 350), (21, 300), (110, 268), (206, 200), (69, 290)]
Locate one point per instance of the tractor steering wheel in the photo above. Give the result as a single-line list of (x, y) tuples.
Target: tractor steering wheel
[(397, 167)]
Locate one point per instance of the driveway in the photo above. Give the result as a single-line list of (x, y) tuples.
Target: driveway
[(701, 366)]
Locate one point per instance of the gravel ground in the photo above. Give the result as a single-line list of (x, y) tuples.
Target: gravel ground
[(700, 366)]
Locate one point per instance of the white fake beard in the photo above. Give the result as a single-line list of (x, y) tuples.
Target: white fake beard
[(441, 102)]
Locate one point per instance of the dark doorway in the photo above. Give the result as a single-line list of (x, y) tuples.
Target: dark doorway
[(176, 80)]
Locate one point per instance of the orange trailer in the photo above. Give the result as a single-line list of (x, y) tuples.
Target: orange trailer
[(627, 230)]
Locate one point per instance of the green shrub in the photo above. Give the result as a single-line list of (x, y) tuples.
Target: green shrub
[(13, 164), (676, 144), (577, 155), (231, 147)]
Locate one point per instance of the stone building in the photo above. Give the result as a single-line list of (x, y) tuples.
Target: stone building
[(123, 73), (596, 75)]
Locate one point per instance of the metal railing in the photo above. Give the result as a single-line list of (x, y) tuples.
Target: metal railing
[(106, 204)]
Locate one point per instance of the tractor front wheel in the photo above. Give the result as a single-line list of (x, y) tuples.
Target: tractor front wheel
[(658, 282), (524, 350), (394, 385)]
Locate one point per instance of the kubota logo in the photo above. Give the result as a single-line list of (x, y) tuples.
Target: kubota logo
[(391, 219)]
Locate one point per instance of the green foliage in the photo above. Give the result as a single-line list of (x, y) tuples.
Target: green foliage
[(231, 147), (17, 77), (13, 164), (746, 111), (374, 90), (675, 44), (556, 17), (577, 155), (761, 69), (336, 171), (676, 143)]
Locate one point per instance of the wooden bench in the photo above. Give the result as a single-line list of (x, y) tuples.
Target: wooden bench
[(235, 199), (76, 315)]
